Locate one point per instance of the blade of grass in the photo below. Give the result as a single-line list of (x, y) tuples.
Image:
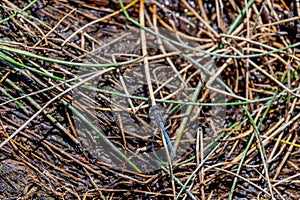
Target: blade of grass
[(68, 63), (187, 114), (262, 150), (18, 12), (101, 135), (250, 141), (199, 50), (49, 102), (18, 103), (8, 59), (37, 106), (210, 153), (54, 121)]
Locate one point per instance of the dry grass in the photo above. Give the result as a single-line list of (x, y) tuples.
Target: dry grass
[(75, 125)]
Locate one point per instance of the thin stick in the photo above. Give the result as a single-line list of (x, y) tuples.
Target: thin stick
[(98, 20), (60, 21), (49, 102), (145, 54)]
